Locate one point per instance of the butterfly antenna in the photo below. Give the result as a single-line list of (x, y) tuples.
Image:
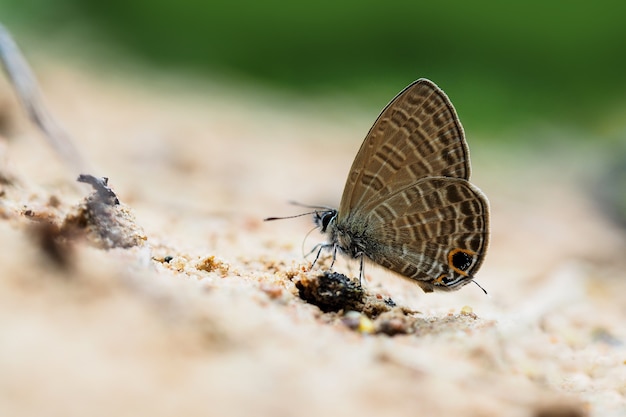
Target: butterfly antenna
[(296, 203), (269, 219), (484, 290)]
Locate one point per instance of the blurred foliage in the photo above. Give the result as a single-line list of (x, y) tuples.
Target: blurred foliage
[(504, 63)]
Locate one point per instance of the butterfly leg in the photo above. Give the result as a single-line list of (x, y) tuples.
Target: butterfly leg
[(321, 247), (315, 248), (361, 273), (334, 256)]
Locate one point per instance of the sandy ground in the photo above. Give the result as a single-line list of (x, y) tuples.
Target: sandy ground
[(204, 317)]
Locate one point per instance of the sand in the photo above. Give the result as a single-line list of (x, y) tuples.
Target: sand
[(202, 315)]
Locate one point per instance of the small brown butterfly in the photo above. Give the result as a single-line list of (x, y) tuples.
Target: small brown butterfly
[(407, 204)]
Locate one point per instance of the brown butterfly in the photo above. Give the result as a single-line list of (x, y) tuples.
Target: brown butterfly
[(408, 204)]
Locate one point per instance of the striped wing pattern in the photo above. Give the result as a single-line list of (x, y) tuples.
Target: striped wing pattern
[(420, 226), (408, 204), (417, 135)]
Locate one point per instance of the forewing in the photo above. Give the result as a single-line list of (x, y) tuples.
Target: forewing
[(417, 135), (435, 229)]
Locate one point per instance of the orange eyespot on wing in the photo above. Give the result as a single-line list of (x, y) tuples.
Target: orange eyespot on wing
[(460, 260), (439, 279)]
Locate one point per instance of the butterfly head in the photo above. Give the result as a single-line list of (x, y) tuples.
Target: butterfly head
[(324, 218)]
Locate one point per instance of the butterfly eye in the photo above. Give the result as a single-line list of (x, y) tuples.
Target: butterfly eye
[(460, 260), (326, 218)]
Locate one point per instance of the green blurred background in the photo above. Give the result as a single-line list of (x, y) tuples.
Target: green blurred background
[(548, 73), (508, 65)]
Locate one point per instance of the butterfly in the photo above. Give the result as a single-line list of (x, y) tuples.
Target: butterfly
[(408, 204)]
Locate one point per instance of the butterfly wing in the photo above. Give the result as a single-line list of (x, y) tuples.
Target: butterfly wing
[(435, 232), (417, 135)]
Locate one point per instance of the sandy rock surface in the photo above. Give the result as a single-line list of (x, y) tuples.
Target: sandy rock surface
[(203, 316)]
